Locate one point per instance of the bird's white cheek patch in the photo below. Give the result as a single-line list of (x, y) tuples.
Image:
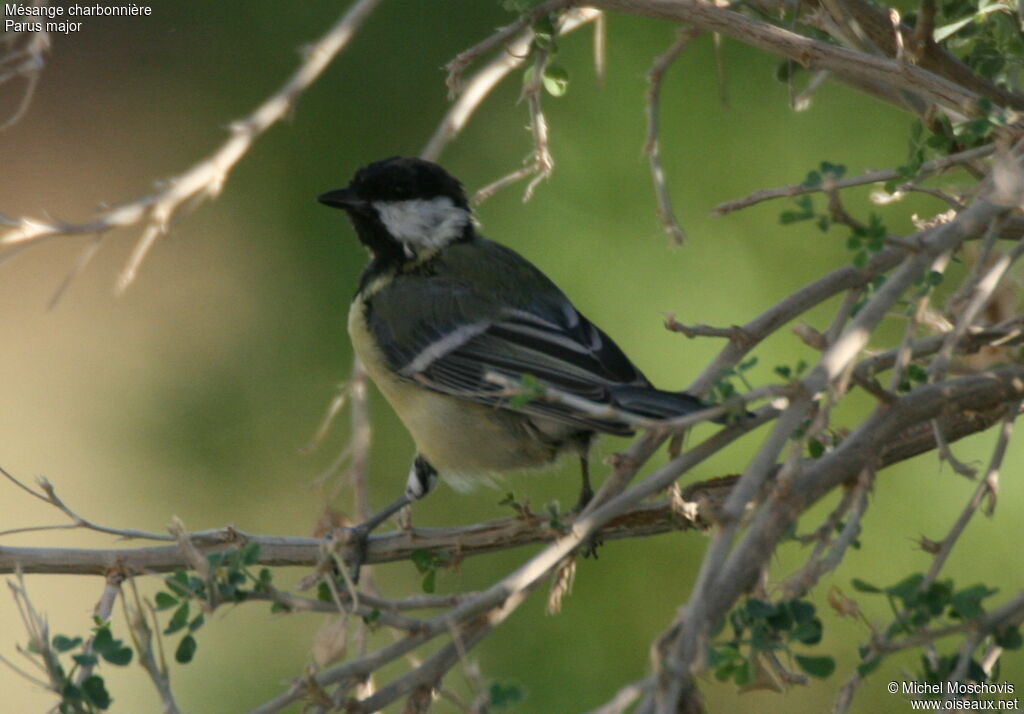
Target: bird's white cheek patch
[(419, 223)]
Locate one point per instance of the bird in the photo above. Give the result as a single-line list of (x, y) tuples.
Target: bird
[(440, 311)]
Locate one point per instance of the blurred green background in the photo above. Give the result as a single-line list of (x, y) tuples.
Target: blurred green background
[(193, 394)]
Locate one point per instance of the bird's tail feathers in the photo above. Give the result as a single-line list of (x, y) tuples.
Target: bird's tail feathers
[(656, 404)]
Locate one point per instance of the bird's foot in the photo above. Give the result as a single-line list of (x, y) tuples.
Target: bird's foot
[(356, 541)]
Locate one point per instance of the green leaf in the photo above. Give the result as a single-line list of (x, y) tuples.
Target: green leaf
[(941, 33), (323, 592), (724, 671), (544, 30), (61, 643), (96, 692), (85, 660), (250, 554), (1009, 638), (808, 633), (717, 656), (836, 170), (120, 656), (906, 589), (114, 651), (178, 583), (196, 623), (165, 601), (743, 674), (815, 449), (938, 596), (178, 620), (802, 610), (813, 180), (424, 559), (186, 650), (966, 604), (532, 389), (430, 582), (502, 695), (916, 372), (556, 80), (868, 666), (816, 666), (759, 608), (864, 587), (787, 217)]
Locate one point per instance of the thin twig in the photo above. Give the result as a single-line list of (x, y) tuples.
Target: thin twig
[(504, 35), (655, 79), (855, 502), (103, 610), (862, 70), (143, 636), (927, 168), (472, 94), (734, 333), (26, 60), (155, 212), (979, 297), (987, 488)]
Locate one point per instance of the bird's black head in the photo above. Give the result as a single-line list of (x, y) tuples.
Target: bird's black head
[(403, 206)]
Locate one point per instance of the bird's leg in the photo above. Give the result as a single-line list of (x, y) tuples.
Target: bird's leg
[(421, 481), (586, 492), (588, 547), (358, 536)]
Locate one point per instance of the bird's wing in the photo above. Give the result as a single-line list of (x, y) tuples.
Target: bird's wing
[(447, 332)]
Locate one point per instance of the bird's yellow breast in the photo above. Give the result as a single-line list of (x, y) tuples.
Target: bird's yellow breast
[(459, 438)]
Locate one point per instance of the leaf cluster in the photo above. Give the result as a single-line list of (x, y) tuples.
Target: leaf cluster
[(760, 627)]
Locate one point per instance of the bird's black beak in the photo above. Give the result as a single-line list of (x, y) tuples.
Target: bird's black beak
[(344, 198)]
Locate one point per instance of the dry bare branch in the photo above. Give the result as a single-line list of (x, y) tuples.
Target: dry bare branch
[(156, 212), (655, 78), (851, 66)]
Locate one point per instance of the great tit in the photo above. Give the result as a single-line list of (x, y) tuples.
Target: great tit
[(439, 309)]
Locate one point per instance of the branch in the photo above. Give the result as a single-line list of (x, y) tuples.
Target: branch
[(502, 37), (874, 21), (738, 571), (472, 94), (966, 227), (855, 68), (26, 61), (705, 498), (157, 211), (655, 78), (927, 168), (467, 541)]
